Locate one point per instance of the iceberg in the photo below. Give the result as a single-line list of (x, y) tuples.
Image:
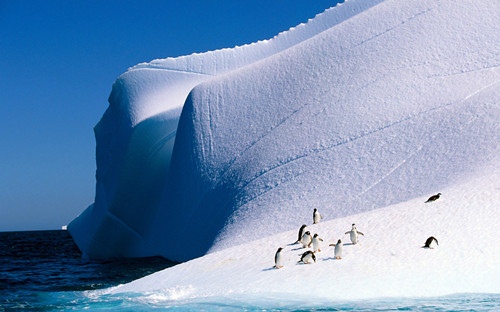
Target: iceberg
[(136, 134), (361, 112)]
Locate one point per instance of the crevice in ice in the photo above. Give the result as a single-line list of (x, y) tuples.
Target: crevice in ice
[(391, 171), (125, 225), (393, 27), (314, 151), (464, 72)]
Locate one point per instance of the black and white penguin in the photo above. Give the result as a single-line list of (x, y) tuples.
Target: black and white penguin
[(431, 243), (306, 239), (338, 250), (301, 233), (278, 259), (308, 257), (316, 242), (433, 198), (354, 234), (316, 216)]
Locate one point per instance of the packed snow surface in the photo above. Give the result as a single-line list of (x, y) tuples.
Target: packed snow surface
[(388, 261), (363, 113)]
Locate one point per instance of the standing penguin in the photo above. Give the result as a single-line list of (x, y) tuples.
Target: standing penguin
[(301, 232), (338, 249), (431, 243), (307, 257), (306, 239), (316, 216), (316, 241), (433, 198), (354, 234), (278, 259)]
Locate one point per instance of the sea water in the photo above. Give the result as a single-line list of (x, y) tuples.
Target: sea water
[(44, 271)]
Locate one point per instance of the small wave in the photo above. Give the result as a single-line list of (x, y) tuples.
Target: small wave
[(165, 300)]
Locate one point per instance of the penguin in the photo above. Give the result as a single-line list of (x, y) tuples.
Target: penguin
[(338, 249), (433, 198), (316, 242), (431, 243), (306, 239), (278, 259), (307, 257), (316, 216), (301, 232), (354, 234)]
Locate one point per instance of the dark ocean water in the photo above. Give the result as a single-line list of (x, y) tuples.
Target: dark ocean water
[(36, 263), (44, 271)]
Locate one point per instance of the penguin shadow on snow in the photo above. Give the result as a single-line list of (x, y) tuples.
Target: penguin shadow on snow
[(330, 258), (351, 244), (273, 268)]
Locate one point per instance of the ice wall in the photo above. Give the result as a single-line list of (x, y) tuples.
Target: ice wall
[(358, 109)]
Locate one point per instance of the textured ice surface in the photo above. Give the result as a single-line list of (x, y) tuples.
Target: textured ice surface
[(365, 106)]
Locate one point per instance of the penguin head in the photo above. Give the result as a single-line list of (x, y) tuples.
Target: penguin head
[(280, 249), (307, 233), (339, 242), (315, 235)]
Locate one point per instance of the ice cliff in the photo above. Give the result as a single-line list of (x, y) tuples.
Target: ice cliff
[(369, 104)]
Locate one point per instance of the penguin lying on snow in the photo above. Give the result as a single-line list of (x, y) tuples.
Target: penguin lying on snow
[(431, 243), (433, 198), (308, 257)]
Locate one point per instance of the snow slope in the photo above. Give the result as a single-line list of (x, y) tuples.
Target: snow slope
[(344, 123), (385, 104), (136, 134), (389, 260)]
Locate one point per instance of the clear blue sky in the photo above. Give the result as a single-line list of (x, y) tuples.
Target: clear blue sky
[(58, 61)]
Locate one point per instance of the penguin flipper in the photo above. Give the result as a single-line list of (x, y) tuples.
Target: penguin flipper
[(348, 232), (361, 233)]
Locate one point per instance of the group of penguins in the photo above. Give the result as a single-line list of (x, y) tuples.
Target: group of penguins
[(305, 238)]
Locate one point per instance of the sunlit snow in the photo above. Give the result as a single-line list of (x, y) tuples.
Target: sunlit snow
[(363, 113)]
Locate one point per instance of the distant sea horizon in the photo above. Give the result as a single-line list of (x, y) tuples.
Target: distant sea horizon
[(43, 270)]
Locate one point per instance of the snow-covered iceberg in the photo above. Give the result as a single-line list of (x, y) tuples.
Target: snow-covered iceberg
[(370, 104)]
